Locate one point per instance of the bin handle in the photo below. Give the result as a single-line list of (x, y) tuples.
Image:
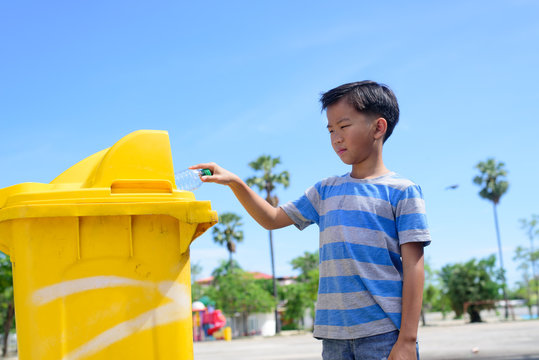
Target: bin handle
[(141, 186)]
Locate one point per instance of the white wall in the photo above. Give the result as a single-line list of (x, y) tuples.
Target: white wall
[(262, 324), (257, 324), (308, 320)]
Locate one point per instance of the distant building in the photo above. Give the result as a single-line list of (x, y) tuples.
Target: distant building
[(283, 281)]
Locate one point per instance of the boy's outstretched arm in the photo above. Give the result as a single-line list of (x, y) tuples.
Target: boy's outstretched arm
[(265, 214), (412, 298)]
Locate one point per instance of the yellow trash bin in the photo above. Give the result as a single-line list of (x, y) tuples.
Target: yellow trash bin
[(101, 256)]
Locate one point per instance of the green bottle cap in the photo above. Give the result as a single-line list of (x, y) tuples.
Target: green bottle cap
[(205, 172)]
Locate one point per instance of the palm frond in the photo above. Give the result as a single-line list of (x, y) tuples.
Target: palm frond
[(491, 178)]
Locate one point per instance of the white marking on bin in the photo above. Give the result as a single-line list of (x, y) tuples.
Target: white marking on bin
[(70, 287), (179, 308)]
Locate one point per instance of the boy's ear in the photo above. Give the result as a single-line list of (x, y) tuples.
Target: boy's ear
[(381, 128)]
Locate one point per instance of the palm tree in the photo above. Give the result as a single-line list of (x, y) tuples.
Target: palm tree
[(493, 188), (267, 182), (532, 228), (226, 232)]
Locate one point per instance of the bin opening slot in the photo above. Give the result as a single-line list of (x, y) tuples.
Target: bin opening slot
[(141, 186)]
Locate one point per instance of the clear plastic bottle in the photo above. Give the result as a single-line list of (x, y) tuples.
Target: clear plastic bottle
[(189, 179)]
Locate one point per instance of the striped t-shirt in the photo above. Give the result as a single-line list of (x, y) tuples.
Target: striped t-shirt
[(362, 224)]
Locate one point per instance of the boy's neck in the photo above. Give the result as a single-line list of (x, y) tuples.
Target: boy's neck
[(369, 169)]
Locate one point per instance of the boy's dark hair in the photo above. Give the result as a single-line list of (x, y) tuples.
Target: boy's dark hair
[(368, 97)]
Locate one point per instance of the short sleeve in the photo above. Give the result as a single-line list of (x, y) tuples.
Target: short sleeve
[(303, 211), (410, 217)]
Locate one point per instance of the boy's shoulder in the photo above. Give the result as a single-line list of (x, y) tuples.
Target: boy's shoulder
[(397, 181)]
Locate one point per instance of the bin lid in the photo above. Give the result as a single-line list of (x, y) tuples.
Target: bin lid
[(135, 176)]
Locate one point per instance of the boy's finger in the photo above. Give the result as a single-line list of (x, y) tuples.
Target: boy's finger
[(197, 166), (210, 166), (211, 179)]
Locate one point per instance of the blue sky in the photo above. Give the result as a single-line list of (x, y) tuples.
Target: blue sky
[(234, 80)]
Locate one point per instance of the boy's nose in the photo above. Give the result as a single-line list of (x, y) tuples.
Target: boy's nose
[(337, 139)]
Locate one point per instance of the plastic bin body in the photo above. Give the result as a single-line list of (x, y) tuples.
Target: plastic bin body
[(102, 272)]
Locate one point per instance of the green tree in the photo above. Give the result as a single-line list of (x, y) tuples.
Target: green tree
[(528, 288), (236, 291), (6, 300), (471, 282), (431, 292), (225, 268), (532, 230), (493, 187), (297, 301), (196, 269), (196, 289), (306, 263), (267, 182), (302, 295), (227, 232)]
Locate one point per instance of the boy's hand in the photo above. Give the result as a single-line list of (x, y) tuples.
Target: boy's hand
[(262, 211), (220, 175), (403, 350)]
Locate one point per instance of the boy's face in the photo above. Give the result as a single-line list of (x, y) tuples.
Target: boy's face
[(352, 133)]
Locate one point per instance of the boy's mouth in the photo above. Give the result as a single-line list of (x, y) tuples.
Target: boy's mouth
[(340, 151)]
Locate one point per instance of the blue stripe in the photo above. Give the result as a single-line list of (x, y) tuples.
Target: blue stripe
[(360, 219), (412, 192), (349, 284), (411, 222), (395, 318), (396, 260), (387, 288), (340, 284), (358, 252), (349, 317), (307, 210)]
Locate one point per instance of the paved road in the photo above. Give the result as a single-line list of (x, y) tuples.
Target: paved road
[(500, 340), (517, 340), (497, 341)]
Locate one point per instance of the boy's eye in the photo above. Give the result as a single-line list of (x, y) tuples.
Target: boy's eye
[(344, 126)]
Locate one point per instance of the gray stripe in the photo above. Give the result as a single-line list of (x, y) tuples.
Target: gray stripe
[(295, 215), (355, 202), (389, 304), (396, 183), (351, 267), (414, 235), (314, 197), (389, 180), (332, 181), (411, 206), (357, 300), (354, 332), (356, 235), (344, 301)]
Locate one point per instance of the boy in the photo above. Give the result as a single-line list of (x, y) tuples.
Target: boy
[(372, 232)]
